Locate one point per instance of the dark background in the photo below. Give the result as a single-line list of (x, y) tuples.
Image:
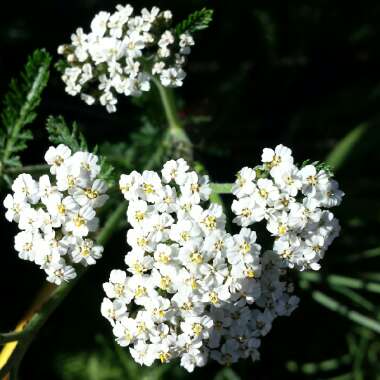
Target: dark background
[(302, 73)]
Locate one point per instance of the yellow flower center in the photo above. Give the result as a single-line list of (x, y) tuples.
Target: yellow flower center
[(61, 209), (197, 329), (159, 313), (245, 248), (138, 267), (164, 357), (141, 327), (210, 222), (163, 257), (70, 181), (219, 245), (250, 273), (282, 229), (140, 291), (139, 216), (263, 193), (196, 257), (28, 247), (185, 236), (91, 194), (275, 161), (142, 242), (246, 212), (119, 289), (124, 188), (195, 188), (148, 188), (79, 221), (58, 161), (187, 306), (213, 298), (165, 282)]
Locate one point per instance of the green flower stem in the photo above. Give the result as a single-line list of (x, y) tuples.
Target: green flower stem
[(58, 294), (168, 103), (337, 280), (221, 188), (176, 136), (28, 169)]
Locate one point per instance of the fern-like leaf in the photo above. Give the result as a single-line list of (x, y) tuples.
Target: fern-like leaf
[(19, 110), (61, 133), (196, 21)]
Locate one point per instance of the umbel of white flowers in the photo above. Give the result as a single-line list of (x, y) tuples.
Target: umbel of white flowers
[(193, 291), (121, 55), (57, 215)]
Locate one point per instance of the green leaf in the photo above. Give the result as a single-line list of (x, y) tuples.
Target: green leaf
[(340, 154), (313, 368), (345, 311), (20, 103), (61, 133), (196, 21)]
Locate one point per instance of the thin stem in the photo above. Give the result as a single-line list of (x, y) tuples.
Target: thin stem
[(176, 136), (28, 169), (168, 103), (221, 188)]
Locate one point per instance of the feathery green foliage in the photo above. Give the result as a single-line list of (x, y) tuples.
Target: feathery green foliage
[(60, 133), (20, 105), (196, 21)]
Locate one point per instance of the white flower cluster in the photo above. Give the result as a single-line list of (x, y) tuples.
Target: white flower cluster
[(122, 53), (293, 202), (190, 290), (56, 217)]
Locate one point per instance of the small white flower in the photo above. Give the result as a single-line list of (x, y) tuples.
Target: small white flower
[(56, 157), (60, 272), (26, 187), (175, 171), (14, 205), (248, 211), (86, 252)]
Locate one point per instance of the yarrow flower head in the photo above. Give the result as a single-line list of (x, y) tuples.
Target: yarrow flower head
[(293, 202), (193, 291), (122, 53), (57, 214)]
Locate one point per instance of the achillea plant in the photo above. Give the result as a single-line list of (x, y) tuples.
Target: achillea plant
[(196, 286)]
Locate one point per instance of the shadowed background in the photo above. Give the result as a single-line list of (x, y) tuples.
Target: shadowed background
[(305, 74)]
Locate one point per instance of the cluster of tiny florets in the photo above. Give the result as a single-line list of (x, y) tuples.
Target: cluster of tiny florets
[(293, 202), (122, 53), (57, 213), (190, 289)]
